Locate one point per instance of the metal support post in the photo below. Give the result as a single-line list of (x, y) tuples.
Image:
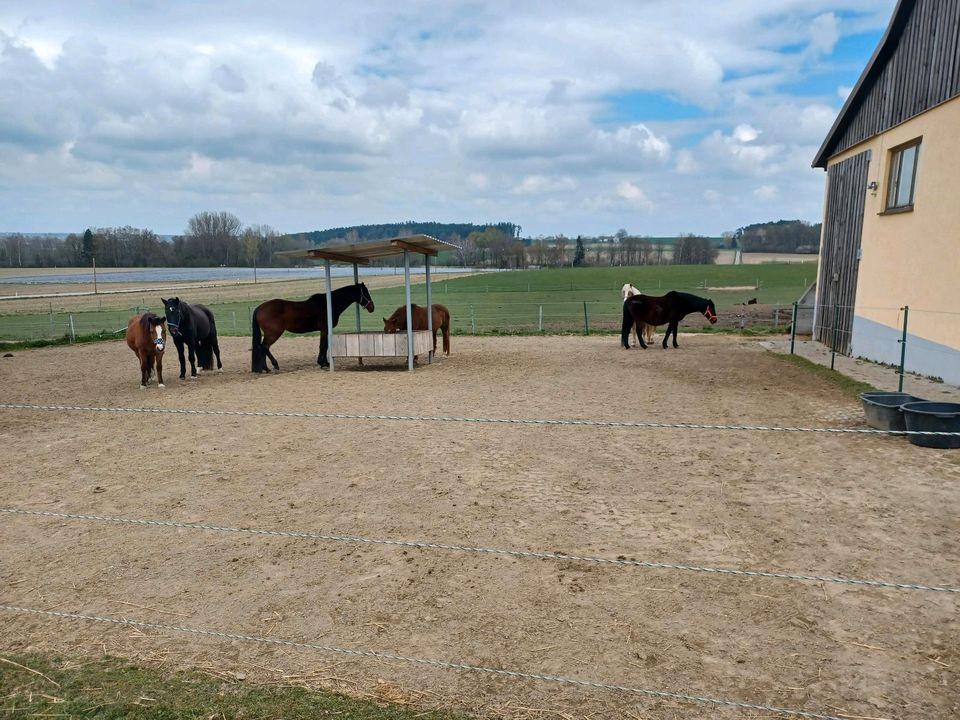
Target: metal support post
[(356, 281), (586, 319), (329, 314), (426, 266), (406, 282), (793, 329), (836, 331), (903, 347)]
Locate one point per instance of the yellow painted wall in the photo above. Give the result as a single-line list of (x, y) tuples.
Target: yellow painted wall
[(913, 258)]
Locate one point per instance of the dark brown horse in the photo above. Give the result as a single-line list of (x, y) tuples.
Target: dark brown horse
[(667, 310), (441, 321), (147, 337), (273, 317)]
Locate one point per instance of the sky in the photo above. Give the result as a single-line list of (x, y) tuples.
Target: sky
[(657, 117)]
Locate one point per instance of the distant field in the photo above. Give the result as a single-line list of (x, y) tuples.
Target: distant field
[(508, 302)]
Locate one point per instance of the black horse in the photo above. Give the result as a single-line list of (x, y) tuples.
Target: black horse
[(193, 326), (301, 316), (668, 310)]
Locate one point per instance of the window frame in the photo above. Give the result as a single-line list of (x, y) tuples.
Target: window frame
[(895, 177)]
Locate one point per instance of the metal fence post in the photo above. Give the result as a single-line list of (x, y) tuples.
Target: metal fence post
[(473, 321), (586, 319), (73, 331), (903, 347), (836, 330), (52, 329), (793, 328), (234, 314), (540, 320)]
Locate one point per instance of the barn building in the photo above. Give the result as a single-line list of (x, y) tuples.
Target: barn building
[(891, 229)]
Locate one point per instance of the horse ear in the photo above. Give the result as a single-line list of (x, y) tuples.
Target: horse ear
[(161, 321), (176, 299), (163, 301)]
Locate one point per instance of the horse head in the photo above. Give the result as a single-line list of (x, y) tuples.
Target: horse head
[(365, 300), (395, 323), (173, 310), (710, 312), (158, 332)]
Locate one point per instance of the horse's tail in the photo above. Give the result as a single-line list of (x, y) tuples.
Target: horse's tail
[(627, 325), (258, 358), (445, 327)]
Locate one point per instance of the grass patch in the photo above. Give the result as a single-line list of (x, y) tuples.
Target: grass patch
[(513, 303), (8, 345), (112, 689), (847, 385)]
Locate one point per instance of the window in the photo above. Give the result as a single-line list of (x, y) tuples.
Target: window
[(903, 176)]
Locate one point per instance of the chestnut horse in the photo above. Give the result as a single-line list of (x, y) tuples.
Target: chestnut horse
[(273, 317), (441, 320), (667, 310), (147, 337), (629, 290)]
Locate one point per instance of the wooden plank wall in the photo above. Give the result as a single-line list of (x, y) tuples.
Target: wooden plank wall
[(922, 71), (373, 344), (842, 230)]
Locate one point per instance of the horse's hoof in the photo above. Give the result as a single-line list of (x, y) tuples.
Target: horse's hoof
[(219, 371), (161, 386), (143, 387)]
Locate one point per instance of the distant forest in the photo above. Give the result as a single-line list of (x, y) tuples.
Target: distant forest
[(441, 231), (220, 239), (783, 236)]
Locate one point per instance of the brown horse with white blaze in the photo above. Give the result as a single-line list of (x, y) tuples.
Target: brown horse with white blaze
[(147, 337), (441, 321)]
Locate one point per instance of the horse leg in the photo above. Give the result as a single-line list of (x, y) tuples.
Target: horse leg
[(446, 339), (216, 351), (192, 351), (160, 370), (625, 327), (144, 372), (322, 356), (675, 326), (178, 341)]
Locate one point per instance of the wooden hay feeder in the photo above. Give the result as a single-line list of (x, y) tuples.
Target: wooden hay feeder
[(374, 344)]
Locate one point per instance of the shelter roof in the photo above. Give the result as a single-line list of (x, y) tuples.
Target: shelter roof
[(363, 252)]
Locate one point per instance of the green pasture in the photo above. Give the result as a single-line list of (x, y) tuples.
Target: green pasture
[(36, 686), (515, 302)]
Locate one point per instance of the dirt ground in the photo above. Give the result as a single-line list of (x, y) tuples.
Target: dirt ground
[(857, 506)]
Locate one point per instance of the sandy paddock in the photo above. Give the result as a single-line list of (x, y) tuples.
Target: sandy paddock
[(857, 506)]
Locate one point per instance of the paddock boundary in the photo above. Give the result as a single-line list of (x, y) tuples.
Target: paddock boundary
[(642, 425), (660, 694), (536, 554)]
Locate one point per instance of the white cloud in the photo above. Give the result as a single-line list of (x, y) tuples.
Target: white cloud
[(420, 109), (766, 192), (540, 184)]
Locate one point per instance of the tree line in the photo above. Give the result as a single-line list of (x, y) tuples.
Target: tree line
[(783, 236)]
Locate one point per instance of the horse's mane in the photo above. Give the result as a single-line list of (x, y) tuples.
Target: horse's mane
[(146, 320)]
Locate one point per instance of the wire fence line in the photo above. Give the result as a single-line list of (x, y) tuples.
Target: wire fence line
[(532, 554), (443, 664), (639, 424)]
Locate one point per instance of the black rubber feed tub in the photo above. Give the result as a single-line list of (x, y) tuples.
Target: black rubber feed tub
[(933, 417), (883, 409)]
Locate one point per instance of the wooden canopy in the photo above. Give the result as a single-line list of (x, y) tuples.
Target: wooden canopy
[(362, 253)]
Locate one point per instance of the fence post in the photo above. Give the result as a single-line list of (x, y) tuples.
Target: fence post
[(234, 314), (836, 330), (473, 321), (776, 316), (903, 346), (586, 319), (793, 328), (52, 329), (540, 320), (73, 331)]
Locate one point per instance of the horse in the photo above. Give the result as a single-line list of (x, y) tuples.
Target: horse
[(147, 337), (193, 326), (441, 319), (271, 318), (668, 310), (647, 331)]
